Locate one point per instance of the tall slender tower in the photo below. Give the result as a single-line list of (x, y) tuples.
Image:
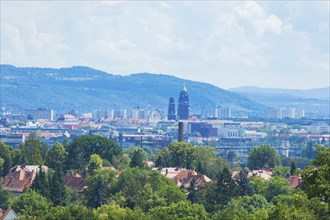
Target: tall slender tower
[(183, 104), (171, 110)]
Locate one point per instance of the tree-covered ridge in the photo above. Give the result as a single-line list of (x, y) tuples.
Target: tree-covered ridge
[(73, 88), (120, 186)]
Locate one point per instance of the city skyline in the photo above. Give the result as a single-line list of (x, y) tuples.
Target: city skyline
[(228, 44)]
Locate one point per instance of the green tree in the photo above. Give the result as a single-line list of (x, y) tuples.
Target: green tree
[(56, 156), (7, 154), (299, 202), (263, 156), (231, 156), (98, 187), (277, 186), (57, 187), (4, 198), (243, 183), (181, 210), (80, 149), (70, 212), (134, 180), (292, 168), (115, 212), (137, 158), (95, 163), (193, 193), (317, 177), (31, 205), (281, 171), (219, 194), (258, 184), (146, 198), (40, 184), (31, 151)]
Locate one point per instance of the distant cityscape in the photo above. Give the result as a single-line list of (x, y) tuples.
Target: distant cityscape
[(156, 128)]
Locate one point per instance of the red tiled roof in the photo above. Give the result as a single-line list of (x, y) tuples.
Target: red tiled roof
[(75, 181), (295, 181)]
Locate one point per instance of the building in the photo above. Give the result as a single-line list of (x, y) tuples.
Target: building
[(21, 177), (171, 110), (183, 177), (10, 214), (183, 104), (39, 113), (98, 114)]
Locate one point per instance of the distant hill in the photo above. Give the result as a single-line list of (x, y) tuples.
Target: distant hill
[(314, 101), (87, 89), (318, 93)]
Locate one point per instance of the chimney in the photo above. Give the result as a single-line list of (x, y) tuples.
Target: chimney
[(180, 135)]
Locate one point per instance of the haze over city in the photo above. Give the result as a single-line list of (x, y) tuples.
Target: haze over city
[(229, 44)]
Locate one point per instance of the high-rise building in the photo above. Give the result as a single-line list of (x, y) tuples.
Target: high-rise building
[(171, 110), (40, 113), (183, 104)]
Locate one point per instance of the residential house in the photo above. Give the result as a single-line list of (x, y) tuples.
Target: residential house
[(182, 177), (21, 177), (10, 214)]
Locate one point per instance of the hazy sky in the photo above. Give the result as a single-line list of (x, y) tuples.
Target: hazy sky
[(282, 44)]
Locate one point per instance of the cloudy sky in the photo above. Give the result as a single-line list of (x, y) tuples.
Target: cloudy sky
[(279, 44)]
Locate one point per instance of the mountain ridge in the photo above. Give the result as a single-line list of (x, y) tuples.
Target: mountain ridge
[(85, 89)]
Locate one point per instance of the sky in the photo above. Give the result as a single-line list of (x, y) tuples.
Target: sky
[(271, 44)]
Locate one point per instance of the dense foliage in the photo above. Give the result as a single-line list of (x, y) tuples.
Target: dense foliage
[(134, 191)]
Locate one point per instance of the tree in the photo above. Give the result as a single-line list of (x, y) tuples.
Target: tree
[(31, 204), (137, 158), (243, 183), (98, 187), (263, 156), (40, 184), (81, 148), (94, 164), (116, 212), (70, 212), (219, 194), (7, 155), (57, 187), (231, 156), (4, 198), (193, 193), (146, 198), (134, 180), (281, 171), (181, 210), (56, 156), (31, 152), (317, 177), (292, 168), (277, 186), (299, 203)]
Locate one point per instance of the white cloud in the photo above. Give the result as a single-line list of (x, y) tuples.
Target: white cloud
[(256, 43)]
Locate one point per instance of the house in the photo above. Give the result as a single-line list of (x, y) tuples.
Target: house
[(182, 177), (295, 182), (21, 177), (10, 214), (76, 182), (264, 173)]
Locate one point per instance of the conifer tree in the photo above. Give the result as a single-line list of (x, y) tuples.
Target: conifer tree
[(245, 188), (193, 195), (226, 187), (40, 183), (293, 167), (57, 188)]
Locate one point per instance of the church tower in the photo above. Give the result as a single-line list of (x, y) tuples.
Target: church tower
[(183, 104)]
